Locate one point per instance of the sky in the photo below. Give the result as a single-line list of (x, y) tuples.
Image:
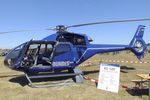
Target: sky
[(39, 15)]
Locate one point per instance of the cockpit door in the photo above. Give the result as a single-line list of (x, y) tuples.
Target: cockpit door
[(63, 56), (38, 53)]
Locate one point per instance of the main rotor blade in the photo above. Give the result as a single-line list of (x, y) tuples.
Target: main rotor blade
[(15, 31), (53, 29), (23, 31), (109, 22)]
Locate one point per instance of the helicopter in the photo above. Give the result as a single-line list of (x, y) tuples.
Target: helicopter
[(66, 50)]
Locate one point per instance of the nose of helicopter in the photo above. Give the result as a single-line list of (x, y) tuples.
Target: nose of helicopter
[(13, 65), (7, 63)]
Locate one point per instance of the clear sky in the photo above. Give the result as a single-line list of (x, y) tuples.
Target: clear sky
[(42, 14)]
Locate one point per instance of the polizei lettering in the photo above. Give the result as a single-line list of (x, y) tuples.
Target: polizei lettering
[(62, 63)]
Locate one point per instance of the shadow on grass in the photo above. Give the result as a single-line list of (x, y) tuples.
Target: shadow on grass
[(127, 68), (123, 68), (19, 79), (138, 92), (90, 72), (22, 80), (3, 76)]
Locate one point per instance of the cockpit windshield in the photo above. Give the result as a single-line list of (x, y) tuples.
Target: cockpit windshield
[(13, 54)]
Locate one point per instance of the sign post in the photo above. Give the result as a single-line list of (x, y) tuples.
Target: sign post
[(149, 89), (109, 77)]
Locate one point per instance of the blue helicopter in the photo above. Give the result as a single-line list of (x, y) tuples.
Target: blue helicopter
[(66, 50)]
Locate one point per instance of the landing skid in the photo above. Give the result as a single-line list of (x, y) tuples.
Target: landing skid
[(76, 75)]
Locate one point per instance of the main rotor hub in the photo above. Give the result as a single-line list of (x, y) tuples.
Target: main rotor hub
[(61, 28)]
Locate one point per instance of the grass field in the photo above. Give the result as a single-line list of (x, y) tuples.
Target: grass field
[(13, 87)]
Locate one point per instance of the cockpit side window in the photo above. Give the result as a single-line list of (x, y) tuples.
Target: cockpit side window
[(42, 49), (33, 49), (49, 50)]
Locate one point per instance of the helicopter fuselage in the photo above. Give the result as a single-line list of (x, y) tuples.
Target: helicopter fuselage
[(64, 51)]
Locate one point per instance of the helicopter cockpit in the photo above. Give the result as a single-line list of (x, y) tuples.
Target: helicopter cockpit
[(29, 54)]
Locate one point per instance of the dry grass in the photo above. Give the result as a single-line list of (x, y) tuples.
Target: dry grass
[(10, 89)]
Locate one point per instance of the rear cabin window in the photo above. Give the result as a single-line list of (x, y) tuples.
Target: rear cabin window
[(72, 38), (79, 40)]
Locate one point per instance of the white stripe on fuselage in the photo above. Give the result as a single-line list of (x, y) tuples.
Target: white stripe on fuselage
[(97, 49)]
